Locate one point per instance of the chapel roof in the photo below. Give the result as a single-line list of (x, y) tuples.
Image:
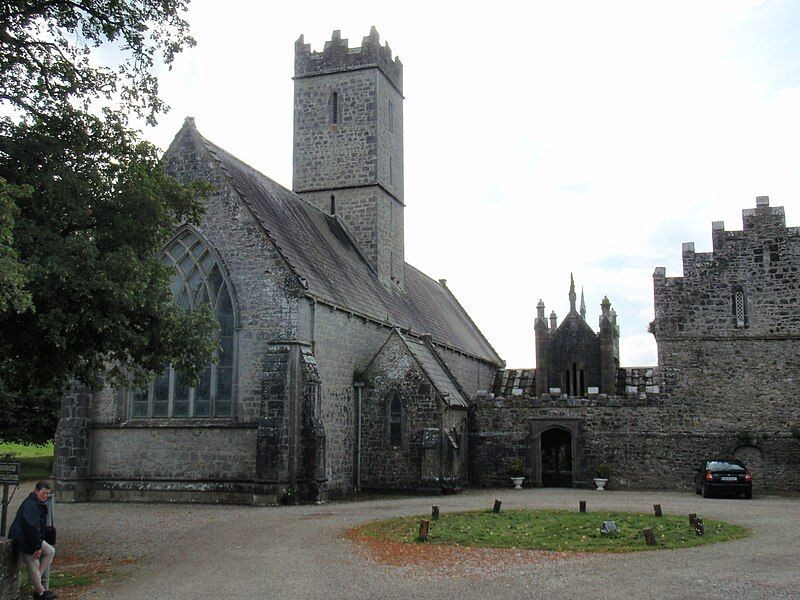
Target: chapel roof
[(436, 370), (323, 254)]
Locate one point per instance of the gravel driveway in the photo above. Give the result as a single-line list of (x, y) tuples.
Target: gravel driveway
[(180, 551)]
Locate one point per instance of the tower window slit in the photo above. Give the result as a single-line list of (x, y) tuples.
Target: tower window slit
[(333, 204), (739, 308), (335, 107)]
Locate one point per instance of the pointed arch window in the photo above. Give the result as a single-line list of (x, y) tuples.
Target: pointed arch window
[(396, 420), (197, 279)]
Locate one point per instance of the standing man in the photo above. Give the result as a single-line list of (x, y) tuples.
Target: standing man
[(27, 531)]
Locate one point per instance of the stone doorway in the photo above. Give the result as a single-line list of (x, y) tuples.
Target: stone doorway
[(557, 458), (555, 450)]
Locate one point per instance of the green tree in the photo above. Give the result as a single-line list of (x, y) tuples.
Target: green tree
[(85, 206), (13, 294), (47, 61)]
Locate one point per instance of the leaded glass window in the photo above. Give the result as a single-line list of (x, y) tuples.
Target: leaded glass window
[(197, 280)]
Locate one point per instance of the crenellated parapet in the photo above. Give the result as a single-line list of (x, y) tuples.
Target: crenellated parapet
[(337, 56), (745, 286), (763, 237)]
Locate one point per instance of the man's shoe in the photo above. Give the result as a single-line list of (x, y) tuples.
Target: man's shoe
[(49, 595)]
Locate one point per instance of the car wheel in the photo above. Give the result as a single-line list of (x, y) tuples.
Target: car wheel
[(748, 494), (697, 489), (706, 493)]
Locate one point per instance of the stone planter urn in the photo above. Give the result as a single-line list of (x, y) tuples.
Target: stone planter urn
[(517, 482), (600, 483)]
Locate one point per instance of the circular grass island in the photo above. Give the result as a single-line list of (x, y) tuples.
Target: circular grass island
[(551, 530)]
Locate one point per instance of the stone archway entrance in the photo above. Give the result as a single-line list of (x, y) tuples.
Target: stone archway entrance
[(557, 458), (555, 449)]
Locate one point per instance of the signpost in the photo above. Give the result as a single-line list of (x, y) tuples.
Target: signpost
[(9, 475)]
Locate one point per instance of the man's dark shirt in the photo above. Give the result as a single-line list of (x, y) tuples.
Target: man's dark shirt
[(29, 524)]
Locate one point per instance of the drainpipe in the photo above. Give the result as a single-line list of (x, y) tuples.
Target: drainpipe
[(359, 385)]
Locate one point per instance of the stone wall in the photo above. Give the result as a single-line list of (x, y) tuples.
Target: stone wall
[(71, 460), (474, 376), (735, 370), (423, 459), (343, 346), (335, 155), (182, 452), (266, 295), (649, 443), (9, 572)]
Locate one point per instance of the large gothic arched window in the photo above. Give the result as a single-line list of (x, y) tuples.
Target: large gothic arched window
[(197, 279)]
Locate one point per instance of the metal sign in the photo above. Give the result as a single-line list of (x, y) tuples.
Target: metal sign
[(9, 472)]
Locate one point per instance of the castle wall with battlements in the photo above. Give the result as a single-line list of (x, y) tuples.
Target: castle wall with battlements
[(728, 335)]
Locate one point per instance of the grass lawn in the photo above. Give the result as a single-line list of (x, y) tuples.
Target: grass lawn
[(36, 462), (556, 530)]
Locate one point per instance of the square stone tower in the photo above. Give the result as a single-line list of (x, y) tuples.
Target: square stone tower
[(348, 143)]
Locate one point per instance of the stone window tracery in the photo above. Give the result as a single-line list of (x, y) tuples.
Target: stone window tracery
[(197, 279)]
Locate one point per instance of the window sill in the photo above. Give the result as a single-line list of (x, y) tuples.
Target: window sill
[(179, 423)]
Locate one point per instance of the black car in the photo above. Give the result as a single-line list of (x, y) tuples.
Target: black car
[(723, 476)]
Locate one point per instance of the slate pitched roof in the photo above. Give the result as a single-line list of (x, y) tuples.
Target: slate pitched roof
[(437, 371), (324, 256)]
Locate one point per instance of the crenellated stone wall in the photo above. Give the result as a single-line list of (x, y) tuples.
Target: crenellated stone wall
[(649, 443)]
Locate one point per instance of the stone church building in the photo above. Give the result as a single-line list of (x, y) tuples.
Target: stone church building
[(341, 367)]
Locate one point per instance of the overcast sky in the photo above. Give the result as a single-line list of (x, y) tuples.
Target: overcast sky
[(540, 139)]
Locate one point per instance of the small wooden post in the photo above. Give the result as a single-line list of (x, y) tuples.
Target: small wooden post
[(657, 509), (649, 536), (435, 513), (424, 526), (496, 508), (582, 505), (699, 529), (692, 517)]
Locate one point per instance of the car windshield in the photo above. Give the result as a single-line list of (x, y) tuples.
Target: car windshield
[(724, 465)]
